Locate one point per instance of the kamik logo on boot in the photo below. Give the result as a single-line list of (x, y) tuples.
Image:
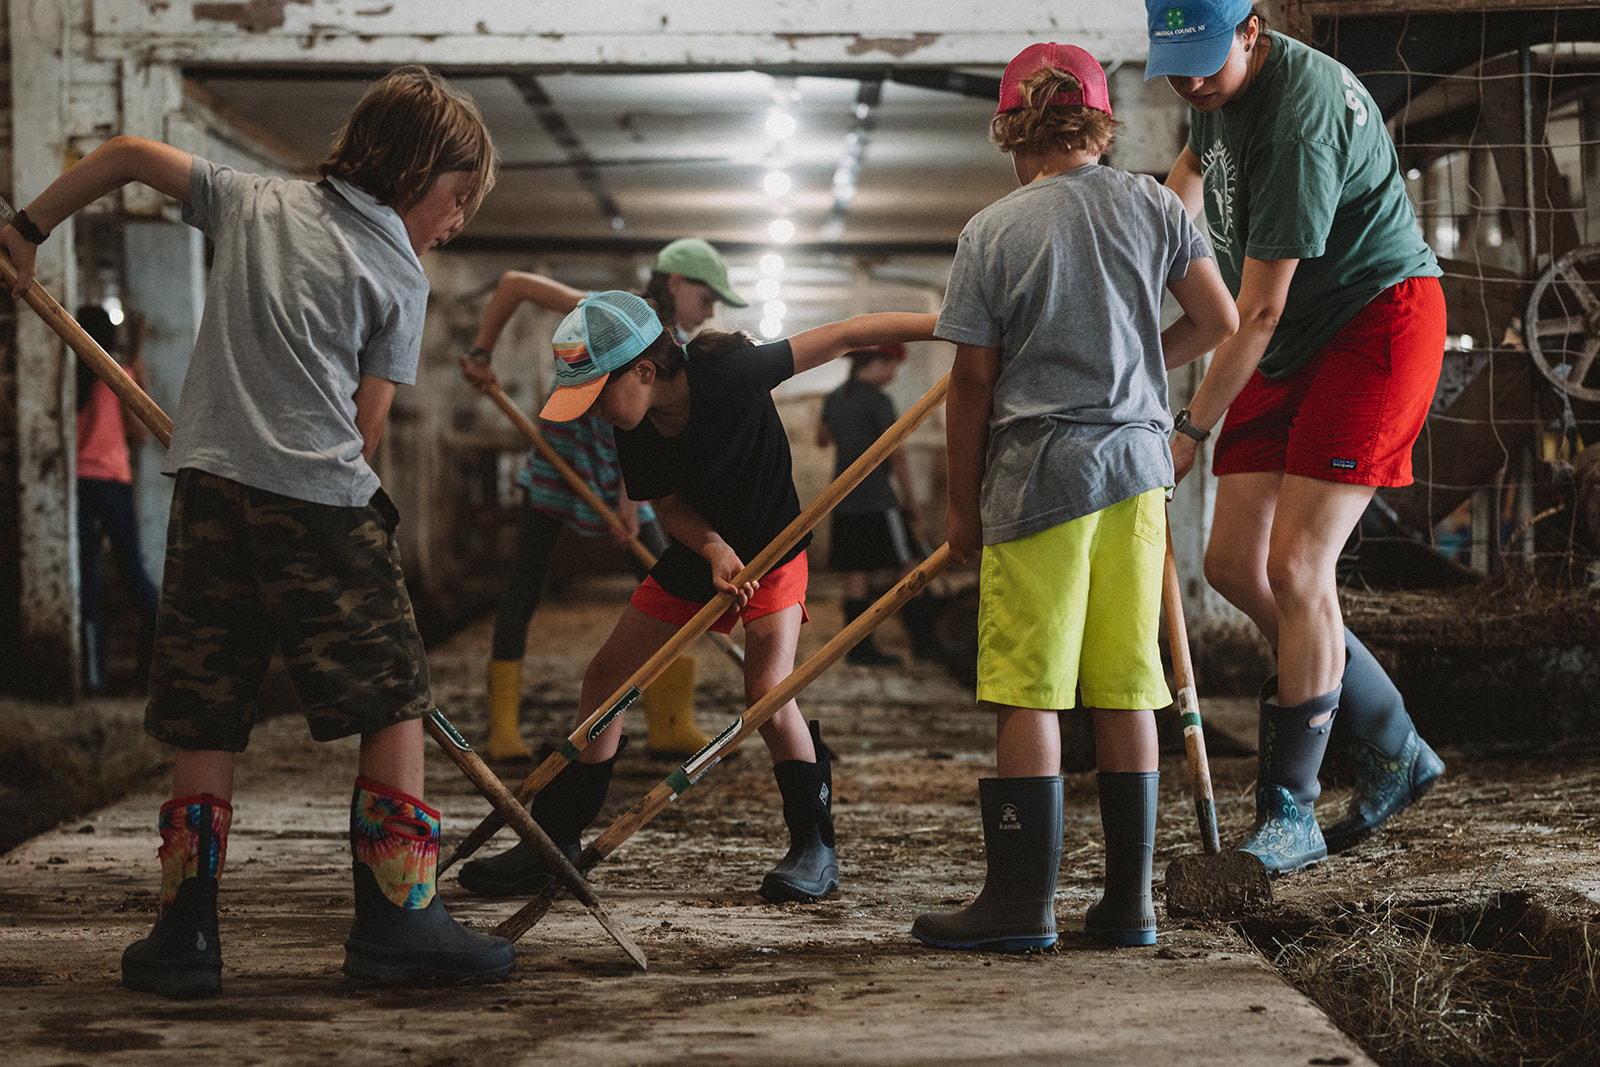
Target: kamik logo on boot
[(1008, 817)]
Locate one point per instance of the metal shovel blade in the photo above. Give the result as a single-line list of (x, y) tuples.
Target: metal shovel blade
[(1224, 885)]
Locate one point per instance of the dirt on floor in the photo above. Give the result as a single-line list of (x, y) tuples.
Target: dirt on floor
[(1507, 836)]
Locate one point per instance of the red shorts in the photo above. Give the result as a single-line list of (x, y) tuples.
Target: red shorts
[(1351, 414), (779, 589)]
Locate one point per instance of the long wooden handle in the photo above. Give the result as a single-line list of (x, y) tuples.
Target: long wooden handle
[(692, 769), (104, 367), (570, 476), (1194, 738), (456, 747), (702, 620)]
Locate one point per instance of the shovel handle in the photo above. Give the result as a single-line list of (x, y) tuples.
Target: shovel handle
[(1194, 738), (105, 368)]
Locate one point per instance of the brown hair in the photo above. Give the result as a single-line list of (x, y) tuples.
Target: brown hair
[(1037, 126), (665, 352), (407, 130)]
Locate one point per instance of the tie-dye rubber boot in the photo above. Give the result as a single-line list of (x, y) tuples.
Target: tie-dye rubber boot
[(403, 936), (1392, 766), (1286, 836), (182, 957)]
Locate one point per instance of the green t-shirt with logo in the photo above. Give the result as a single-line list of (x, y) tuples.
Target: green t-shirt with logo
[(1301, 167)]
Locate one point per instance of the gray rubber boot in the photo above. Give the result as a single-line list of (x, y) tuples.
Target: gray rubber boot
[(1015, 911), (1285, 835), (810, 869), (563, 809), (1393, 766), (1125, 914)]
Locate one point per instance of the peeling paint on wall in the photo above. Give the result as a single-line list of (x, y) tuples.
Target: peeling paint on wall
[(898, 47), (252, 16)]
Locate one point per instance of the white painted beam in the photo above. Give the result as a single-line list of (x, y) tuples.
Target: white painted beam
[(599, 33)]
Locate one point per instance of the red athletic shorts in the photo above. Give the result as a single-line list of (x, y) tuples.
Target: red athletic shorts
[(780, 588), (1352, 413)]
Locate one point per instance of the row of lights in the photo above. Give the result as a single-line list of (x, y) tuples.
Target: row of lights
[(777, 184)]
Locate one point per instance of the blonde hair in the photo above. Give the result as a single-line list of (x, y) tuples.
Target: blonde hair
[(407, 130), (1039, 126)]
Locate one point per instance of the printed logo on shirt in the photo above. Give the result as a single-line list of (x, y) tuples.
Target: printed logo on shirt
[(1219, 178), (1342, 464)]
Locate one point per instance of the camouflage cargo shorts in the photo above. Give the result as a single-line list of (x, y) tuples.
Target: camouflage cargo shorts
[(248, 572)]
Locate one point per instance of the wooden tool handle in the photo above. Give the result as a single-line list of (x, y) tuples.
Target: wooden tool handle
[(1194, 738)]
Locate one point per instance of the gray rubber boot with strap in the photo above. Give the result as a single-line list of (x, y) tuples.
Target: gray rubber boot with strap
[(1294, 739), (402, 934), (182, 957), (810, 869), (563, 809), (1126, 914), (1392, 766), (1015, 910)]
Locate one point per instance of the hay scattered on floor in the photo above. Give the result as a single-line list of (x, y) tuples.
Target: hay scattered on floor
[(1417, 986)]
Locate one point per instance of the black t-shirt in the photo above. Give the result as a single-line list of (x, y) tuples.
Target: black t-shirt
[(730, 463)]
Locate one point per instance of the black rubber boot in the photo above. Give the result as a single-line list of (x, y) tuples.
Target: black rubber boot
[(1393, 767), (402, 935), (182, 957), (865, 652), (1125, 914), (563, 809), (920, 616), (1286, 836), (1015, 911), (810, 869)]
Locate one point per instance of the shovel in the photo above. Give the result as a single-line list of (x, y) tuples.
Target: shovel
[(1216, 884)]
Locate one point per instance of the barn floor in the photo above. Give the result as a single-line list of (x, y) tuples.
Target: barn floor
[(732, 979)]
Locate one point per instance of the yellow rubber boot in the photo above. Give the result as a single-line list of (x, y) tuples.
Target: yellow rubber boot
[(505, 706), (669, 711)]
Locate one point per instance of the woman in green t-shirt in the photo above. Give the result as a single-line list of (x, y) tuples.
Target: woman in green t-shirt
[(1325, 387)]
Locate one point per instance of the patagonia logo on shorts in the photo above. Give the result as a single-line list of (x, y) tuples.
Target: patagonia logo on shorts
[(1342, 464)]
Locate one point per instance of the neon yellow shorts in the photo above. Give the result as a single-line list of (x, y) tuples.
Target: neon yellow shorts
[(1077, 609)]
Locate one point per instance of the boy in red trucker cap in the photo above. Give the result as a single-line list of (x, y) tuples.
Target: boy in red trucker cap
[(1057, 428), (698, 435)]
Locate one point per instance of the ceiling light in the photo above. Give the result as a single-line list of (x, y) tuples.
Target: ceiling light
[(777, 183), (781, 230), (771, 328), (772, 264), (767, 289), (774, 309), (780, 124)]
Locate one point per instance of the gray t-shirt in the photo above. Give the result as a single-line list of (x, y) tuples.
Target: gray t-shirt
[(311, 287), (1065, 277)]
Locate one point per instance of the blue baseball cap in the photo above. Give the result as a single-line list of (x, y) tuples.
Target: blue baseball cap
[(604, 332), (1191, 38)]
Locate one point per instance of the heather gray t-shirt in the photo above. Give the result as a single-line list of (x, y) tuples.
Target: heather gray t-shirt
[(1065, 277), (311, 287)]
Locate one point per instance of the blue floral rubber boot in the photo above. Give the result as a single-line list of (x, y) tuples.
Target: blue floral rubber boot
[(1293, 741), (1015, 911), (403, 936), (182, 957), (1125, 914), (1392, 765)]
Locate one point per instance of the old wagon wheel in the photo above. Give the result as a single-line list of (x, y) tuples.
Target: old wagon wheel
[(1562, 322)]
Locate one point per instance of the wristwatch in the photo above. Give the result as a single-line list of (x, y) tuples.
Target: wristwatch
[(1181, 423)]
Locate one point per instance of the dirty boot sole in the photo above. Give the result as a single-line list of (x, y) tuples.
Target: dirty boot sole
[(996, 943), (781, 888), (386, 965), (189, 980)]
